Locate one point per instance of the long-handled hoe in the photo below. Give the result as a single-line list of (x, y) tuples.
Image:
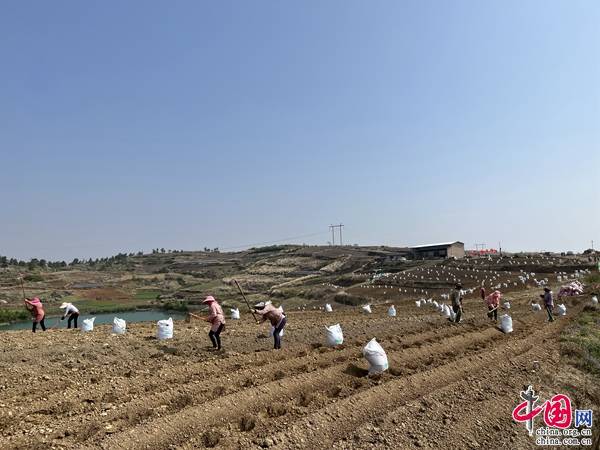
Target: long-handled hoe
[(245, 299)]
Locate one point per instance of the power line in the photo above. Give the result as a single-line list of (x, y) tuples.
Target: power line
[(332, 227)]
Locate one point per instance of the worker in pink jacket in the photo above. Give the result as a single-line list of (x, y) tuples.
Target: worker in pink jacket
[(274, 315), (217, 320), (493, 302), (37, 311)]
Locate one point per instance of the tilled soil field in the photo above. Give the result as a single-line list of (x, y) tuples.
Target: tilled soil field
[(448, 386)]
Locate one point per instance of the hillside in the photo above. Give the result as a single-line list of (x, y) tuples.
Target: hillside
[(295, 276)]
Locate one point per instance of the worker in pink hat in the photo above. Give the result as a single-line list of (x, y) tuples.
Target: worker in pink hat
[(217, 320), (37, 312), (274, 315)]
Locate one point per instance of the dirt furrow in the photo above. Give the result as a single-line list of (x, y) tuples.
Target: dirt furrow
[(324, 427), (251, 401), (456, 409)]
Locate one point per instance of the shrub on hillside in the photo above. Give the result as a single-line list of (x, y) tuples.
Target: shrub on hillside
[(33, 277), (10, 315), (348, 299), (593, 278), (176, 306), (270, 248)]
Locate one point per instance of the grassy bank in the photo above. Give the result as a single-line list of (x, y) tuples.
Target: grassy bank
[(580, 343), (99, 306), (13, 315)]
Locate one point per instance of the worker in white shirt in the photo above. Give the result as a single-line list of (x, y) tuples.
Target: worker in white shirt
[(71, 312)]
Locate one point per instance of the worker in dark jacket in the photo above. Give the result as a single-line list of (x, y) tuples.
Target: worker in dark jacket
[(457, 298), (548, 303)]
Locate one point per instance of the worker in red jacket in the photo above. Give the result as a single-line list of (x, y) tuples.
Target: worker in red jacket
[(216, 319), (37, 311), (493, 302)]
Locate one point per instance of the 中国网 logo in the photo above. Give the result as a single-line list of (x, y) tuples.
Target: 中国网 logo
[(558, 416)]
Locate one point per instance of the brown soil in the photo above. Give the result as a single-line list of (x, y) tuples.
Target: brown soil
[(449, 385)]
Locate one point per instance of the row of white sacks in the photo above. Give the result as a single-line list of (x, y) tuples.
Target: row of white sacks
[(373, 351), (165, 327), (375, 354), (391, 310), (366, 309), (119, 325), (334, 335)]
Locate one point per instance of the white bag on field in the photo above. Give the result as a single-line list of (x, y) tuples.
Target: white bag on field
[(392, 311), (165, 329), (334, 335), (447, 312), (418, 303), (562, 310), (506, 305), (594, 300), (375, 355), (536, 307), (88, 324), (328, 308), (235, 313), (273, 331), (506, 324), (119, 326), (452, 314), (367, 309)]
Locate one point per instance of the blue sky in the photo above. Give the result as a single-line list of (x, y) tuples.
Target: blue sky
[(142, 124)]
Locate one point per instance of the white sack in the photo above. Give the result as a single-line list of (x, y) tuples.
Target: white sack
[(165, 329), (334, 335), (447, 312), (119, 326), (506, 324), (375, 355), (88, 324), (273, 331)]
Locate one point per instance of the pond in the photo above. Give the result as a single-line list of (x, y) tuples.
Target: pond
[(152, 315)]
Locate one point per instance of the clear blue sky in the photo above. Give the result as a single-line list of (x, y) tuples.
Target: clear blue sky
[(140, 124)]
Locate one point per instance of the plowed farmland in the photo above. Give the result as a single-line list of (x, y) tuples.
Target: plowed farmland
[(449, 385)]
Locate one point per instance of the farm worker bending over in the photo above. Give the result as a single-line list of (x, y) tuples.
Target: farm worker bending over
[(37, 311), (71, 312), (548, 302), (217, 320), (457, 298), (493, 302), (273, 315)]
